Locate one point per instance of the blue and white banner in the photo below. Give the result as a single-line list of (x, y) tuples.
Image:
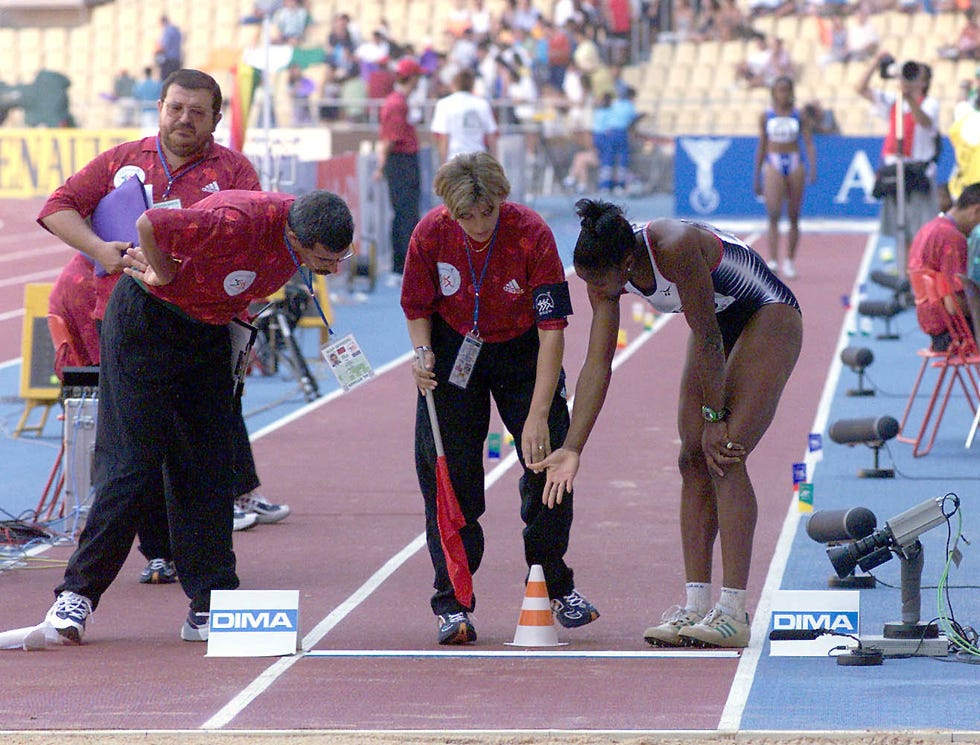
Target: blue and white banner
[(836, 611), (253, 623), (713, 177)]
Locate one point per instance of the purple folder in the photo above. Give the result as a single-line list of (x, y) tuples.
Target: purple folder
[(115, 216)]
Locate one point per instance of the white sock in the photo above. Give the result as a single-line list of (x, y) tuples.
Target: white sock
[(732, 602), (698, 597)]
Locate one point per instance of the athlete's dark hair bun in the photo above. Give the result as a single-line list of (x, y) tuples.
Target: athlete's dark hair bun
[(595, 214)]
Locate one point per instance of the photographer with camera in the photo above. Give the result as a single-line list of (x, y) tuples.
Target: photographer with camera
[(920, 139)]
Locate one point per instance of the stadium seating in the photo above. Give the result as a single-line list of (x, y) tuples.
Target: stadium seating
[(98, 40)]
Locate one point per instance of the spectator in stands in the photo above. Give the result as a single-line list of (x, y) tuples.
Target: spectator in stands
[(835, 40), (617, 18), (785, 160), (967, 44), (147, 92), (261, 10), (369, 53), (821, 120), (341, 42), (920, 125), (289, 23), (732, 24), (778, 8), (520, 14), (752, 71), (614, 158), (458, 19), (481, 21), (463, 53), (780, 64), (463, 122), (685, 21), (169, 53), (353, 92), (559, 53), (380, 81), (862, 36), (585, 53), (300, 89), (122, 96)]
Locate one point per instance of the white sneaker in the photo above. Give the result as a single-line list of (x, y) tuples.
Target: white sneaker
[(789, 269), (672, 621), (773, 266), (264, 511), (244, 520), (718, 629), (197, 626), (68, 615)]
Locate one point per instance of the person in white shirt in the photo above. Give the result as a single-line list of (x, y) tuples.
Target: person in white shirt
[(862, 36), (463, 122)]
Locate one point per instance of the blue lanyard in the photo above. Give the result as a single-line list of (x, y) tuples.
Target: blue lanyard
[(171, 179), (477, 284), (308, 281)]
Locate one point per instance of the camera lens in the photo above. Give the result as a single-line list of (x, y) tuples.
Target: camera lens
[(885, 66)]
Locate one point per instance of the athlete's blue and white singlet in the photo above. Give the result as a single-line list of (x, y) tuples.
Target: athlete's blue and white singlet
[(742, 282)]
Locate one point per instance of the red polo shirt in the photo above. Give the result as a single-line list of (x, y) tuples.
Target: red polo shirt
[(220, 169), (438, 278), (939, 245), (232, 251), (395, 127)]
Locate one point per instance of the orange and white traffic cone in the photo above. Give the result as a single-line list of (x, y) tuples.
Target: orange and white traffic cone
[(536, 625)]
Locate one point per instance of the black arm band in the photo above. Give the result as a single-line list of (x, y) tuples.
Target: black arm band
[(552, 301)]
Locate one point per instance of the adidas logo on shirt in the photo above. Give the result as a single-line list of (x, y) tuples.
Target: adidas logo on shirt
[(513, 288), (211, 188)]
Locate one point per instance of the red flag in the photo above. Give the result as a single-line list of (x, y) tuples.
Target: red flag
[(450, 520), (449, 516)]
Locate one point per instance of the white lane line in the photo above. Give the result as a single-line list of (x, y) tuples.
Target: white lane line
[(731, 717), (11, 314), (571, 653), (230, 710), (48, 275)]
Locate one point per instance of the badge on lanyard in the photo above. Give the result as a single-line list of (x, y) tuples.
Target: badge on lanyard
[(469, 350)]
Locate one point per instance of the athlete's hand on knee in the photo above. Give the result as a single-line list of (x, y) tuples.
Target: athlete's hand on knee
[(720, 450)]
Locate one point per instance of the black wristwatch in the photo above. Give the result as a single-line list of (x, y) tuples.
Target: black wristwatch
[(710, 415)]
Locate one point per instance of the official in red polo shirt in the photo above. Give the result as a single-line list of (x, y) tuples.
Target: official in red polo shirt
[(486, 302), (181, 165), (398, 161), (166, 391)]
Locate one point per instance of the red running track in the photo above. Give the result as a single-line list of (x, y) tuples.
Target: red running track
[(353, 549)]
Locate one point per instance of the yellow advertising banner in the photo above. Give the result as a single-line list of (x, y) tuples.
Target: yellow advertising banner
[(35, 162)]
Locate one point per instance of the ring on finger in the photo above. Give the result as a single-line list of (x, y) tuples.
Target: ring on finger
[(729, 445)]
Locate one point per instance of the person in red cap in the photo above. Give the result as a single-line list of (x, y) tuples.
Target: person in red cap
[(398, 162)]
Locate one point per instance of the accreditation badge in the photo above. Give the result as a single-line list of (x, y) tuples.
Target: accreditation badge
[(347, 362), (469, 350)]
